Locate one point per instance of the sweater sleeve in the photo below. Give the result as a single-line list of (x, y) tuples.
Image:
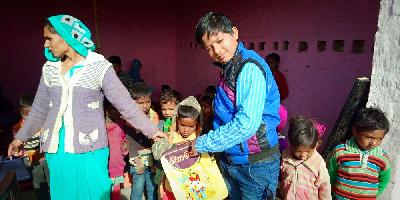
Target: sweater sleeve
[(38, 113), (332, 169), (384, 178), (119, 96), (323, 183)]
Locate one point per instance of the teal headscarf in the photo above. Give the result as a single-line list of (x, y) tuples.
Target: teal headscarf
[(75, 34)]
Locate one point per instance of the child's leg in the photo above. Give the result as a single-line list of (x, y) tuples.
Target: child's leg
[(138, 185), (150, 185)]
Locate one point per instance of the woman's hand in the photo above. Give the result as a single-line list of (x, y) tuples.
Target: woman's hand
[(13, 148)]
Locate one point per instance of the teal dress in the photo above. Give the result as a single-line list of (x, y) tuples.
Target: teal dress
[(81, 176)]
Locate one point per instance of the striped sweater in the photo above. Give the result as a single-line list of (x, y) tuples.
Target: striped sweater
[(357, 174)]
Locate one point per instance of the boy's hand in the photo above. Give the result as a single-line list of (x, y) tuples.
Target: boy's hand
[(159, 135)]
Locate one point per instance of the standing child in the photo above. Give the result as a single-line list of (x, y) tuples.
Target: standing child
[(359, 168), (188, 127), (304, 173), (117, 144), (168, 101), (140, 156)]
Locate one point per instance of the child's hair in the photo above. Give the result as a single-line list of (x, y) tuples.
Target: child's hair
[(169, 96), (371, 119), (115, 60), (211, 89), (165, 87), (185, 111), (212, 23), (302, 132), (26, 100), (207, 99), (274, 56), (139, 90)]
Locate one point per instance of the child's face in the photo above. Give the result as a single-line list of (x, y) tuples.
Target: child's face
[(186, 126), (302, 152), (206, 110), (24, 111), (144, 103), (167, 109), (368, 140), (221, 46)]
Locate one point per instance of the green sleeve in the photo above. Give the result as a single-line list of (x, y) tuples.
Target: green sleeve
[(332, 169), (384, 177)]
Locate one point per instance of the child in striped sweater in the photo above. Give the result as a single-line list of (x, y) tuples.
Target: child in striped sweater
[(303, 170), (359, 168)]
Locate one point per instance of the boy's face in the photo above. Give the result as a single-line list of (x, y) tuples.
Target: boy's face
[(221, 46), (368, 140), (24, 111), (144, 103), (168, 109), (186, 126), (302, 152)]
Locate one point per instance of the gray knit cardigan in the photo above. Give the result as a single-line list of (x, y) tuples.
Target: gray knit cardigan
[(83, 95)]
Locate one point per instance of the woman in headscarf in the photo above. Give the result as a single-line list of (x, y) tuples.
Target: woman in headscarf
[(68, 107)]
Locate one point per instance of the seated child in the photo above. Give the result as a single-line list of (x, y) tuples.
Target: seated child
[(118, 149), (140, 157), (303, 170), (359, 168), (188, 127)]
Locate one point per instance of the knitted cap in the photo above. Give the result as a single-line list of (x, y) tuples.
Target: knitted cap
[(75, 34)]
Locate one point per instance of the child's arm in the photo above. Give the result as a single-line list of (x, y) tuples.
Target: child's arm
[(160, 147), (323, 183), (332, 169), (384, 177), (116, 162)]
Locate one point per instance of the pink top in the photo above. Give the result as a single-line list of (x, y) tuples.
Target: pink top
[(307, 179), (116, 161)]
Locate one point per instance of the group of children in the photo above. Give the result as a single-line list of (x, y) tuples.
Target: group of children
[(356, 169)]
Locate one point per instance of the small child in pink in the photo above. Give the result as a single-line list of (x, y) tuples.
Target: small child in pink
[(303, 170), (118, 149)]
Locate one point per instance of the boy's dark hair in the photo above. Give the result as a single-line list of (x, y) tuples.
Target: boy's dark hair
[(212, 23), (274, 56), (115, 60), (302, 132), (26, 100), (50, 26), (188, 112), (139, 90), (207, 99), (169, 96), (371, 119)]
